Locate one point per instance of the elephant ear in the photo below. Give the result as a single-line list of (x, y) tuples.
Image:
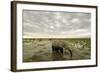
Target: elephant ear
[(66, 44)]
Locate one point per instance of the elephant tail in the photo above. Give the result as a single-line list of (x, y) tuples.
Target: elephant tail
[(70, 51)]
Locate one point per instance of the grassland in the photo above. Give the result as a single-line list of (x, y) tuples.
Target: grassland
[(36, 50)]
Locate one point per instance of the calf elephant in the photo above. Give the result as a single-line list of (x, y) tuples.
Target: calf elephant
[(59, 46)]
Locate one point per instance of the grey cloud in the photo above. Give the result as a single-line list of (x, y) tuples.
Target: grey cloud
[(47, 22)]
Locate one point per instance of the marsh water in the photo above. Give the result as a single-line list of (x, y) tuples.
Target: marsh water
[(37, 50)]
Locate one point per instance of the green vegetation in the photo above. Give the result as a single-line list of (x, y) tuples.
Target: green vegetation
[(35, 50)]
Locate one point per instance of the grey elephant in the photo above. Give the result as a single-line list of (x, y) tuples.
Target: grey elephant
[(58, 46)]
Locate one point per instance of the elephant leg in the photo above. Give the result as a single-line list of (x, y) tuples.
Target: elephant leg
[(53, 49), (61, 50)]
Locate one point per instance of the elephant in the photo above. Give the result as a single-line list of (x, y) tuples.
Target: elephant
[(58, 46)]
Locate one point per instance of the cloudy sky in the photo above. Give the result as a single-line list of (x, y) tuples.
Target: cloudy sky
[(56, 23)]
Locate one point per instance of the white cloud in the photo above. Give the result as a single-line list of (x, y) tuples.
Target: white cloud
[(75, 20)]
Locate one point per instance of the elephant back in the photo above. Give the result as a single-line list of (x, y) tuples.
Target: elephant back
[(59, 43)]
